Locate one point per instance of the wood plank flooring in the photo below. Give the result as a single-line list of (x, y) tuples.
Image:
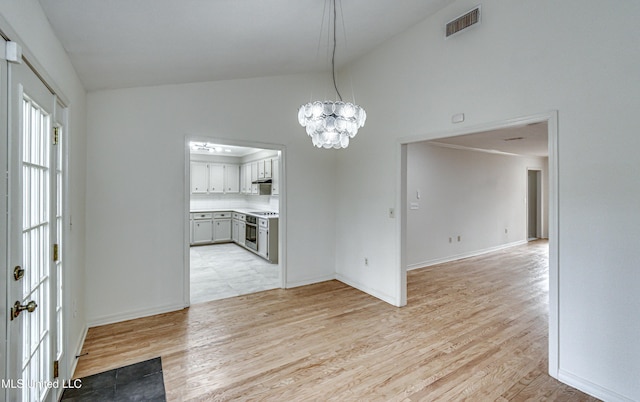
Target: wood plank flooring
[(473, 329)]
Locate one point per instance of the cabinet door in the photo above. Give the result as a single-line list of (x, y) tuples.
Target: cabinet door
[(202, 231), (221, 230), (275, 177), (242, 230), (254, 177), (263, 242), (260, 169), (243, 181), (268, 168), (247, 179), (199, 177), (231, 179), (234, 230), (216, 178)]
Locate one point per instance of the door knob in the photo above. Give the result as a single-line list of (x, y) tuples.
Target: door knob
[(18, 273), (19, 308)]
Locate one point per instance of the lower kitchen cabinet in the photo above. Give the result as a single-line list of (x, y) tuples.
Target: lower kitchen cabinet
[(221, 230), (202, 231), (234, 230), (221, 226), (263, 236), (242, 228)]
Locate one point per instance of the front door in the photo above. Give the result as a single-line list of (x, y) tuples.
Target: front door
[(32, 281)]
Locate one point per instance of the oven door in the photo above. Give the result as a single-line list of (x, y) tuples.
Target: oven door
[(251, 236)]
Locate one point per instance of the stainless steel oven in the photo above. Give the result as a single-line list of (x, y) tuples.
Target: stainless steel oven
[(251, 232)]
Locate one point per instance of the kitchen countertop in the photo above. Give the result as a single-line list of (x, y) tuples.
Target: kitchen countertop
[(238, 210)]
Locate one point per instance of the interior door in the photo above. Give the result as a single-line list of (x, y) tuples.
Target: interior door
[(32, 283)]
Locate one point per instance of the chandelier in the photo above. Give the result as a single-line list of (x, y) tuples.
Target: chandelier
[(331, 124)]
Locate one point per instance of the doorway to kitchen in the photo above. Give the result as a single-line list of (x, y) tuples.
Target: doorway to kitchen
[(235, 210)]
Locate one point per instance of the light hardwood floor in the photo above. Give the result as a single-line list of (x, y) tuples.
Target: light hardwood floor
[(473, 329)]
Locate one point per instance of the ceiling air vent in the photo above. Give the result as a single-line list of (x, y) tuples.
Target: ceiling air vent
[(463, 22)]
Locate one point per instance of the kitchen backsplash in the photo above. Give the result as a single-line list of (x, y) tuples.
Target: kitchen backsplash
[(229, 201)]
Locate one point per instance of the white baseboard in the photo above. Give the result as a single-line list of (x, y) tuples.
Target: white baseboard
[(309, 281), (76, 352), (366, 289), (590, 388), (474, 253), (131, 315)]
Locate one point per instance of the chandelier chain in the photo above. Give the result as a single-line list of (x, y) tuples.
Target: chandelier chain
[(333, 56)]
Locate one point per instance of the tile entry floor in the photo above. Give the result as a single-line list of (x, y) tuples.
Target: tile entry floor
[(220, 271)]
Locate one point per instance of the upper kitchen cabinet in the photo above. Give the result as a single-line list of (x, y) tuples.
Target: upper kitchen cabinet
[(254, 177), (214, 178), (264, 169), (231, 179), (245, 178), (275, 177), (199, 177)]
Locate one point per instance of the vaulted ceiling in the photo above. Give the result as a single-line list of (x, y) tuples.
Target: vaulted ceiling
[(125, 43)]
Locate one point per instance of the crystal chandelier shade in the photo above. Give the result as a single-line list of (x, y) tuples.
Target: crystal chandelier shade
[(331, 124)]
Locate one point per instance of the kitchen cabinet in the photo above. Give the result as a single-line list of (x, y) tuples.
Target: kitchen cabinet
[(231, 179), (216, 178), (221, 226), (268, 168), (268, 239), (235, 230), (254, 177), (202, 228), (221, 230), (245, 179), (238, 227), (263, 238), (275, 177), (242, 228), (264, 169), (199, 177)]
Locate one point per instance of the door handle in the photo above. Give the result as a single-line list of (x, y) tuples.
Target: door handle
[(19, 308)]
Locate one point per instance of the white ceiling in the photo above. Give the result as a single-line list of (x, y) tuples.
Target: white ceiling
[(125, 43), (529, 140)]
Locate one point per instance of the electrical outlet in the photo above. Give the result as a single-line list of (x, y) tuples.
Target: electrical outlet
[(366, 261), (458, 238), (506, 230)]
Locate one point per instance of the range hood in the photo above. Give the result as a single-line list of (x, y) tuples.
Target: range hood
[(262, 181)]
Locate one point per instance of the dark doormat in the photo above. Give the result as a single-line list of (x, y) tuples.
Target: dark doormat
[(137, 382)]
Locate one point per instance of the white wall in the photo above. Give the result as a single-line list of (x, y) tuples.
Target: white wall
[(136, 201), (471, 194), (28, 25), (527, 57)]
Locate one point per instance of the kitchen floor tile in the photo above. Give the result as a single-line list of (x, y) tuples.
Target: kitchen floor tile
[(220, 271)]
